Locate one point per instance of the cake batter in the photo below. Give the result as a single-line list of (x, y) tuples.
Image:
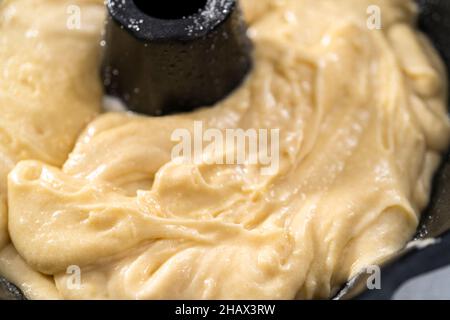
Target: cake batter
[(362, 118)]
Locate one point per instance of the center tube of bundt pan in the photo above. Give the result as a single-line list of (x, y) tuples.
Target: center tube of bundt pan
[(164, 57)]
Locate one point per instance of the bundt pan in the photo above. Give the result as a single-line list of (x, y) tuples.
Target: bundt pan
[(430, 249)]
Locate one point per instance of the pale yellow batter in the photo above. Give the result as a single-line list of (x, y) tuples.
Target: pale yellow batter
[(362, 118)]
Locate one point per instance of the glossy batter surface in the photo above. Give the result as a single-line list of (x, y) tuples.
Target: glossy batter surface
[(362, 119)]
